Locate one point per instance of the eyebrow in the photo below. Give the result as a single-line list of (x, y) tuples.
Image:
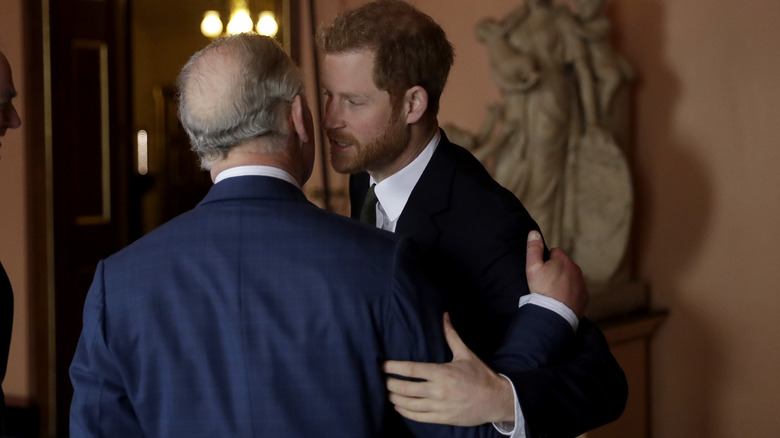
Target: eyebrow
[(349, 95)]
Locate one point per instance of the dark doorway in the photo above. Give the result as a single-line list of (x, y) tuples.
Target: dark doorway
[(90, 152)]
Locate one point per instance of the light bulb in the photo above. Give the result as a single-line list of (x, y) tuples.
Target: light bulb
[(266, 24), (211, 26), (240, 22)]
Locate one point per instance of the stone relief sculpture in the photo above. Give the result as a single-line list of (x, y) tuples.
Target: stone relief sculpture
[(551, 140), (611, 69)]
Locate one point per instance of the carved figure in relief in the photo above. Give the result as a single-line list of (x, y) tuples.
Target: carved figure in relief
[(610, 69), (545, 141)]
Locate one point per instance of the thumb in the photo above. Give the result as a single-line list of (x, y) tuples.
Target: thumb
[(534, 255), (457, 346)]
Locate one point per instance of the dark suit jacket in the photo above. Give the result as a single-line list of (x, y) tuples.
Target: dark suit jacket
[(473, 233), (256, 314), (6, 322)]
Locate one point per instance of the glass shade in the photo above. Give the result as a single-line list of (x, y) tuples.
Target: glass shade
[(266, 24), (240, 22), (211, 26)]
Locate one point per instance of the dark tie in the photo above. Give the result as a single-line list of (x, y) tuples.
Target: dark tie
[(368, 213)]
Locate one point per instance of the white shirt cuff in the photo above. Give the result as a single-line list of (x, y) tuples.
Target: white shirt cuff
[(516, 429), (551, 304)]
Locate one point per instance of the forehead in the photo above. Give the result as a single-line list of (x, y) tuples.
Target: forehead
[(349, 72), (7, 90)]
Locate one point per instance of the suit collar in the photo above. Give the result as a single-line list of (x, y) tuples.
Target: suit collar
[(393, 192), (430, 197), (253, 187), (256, 169)]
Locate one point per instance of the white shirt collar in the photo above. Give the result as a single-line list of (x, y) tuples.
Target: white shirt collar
[(256, 170), (394, 191)]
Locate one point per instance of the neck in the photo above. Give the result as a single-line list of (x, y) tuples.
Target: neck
[(421, 134), (254, 153)]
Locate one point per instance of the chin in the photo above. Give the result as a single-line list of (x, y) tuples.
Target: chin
[(341, 163), (344, 170)]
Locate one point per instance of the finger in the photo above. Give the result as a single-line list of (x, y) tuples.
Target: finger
[(414, 404), (415, 370), (406, 388), (457, 346), (423, 417), (534, 253), (559, 254)]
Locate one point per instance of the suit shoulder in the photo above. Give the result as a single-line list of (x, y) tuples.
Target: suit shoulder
[(349, 229), (473, 186)]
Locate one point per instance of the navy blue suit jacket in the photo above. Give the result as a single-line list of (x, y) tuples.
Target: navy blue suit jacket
[(473, 233), (6, 322), (255, 314)]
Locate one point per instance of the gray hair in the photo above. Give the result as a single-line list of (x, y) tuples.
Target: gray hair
[(262, 82)]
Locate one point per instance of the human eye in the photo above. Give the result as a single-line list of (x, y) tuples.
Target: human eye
[(353, 101)]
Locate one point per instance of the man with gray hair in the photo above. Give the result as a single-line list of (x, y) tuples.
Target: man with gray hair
[(256, 313)]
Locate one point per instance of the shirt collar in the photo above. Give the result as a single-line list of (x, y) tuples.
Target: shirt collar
[(256, 170), (394, 191)]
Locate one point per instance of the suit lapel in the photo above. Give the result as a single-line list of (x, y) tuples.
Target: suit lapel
[(430, 197)]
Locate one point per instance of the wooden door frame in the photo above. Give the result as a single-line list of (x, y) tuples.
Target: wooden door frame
[(40, 195)]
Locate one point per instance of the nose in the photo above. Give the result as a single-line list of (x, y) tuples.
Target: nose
[(9, 118), (331, 116), (15, 121)]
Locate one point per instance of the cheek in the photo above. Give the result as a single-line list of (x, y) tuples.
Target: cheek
[(369, 127)]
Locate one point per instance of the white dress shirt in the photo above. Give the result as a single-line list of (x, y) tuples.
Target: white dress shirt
[(393, 192)]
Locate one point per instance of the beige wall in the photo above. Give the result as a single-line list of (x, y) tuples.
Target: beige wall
[(13, 208), (706, 160)]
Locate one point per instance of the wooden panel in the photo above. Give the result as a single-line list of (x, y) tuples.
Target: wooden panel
[(632, 357), (90, 130), (181, 183), (91, 152), (629, 341)]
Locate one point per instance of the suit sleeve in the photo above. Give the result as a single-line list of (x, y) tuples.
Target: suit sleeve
[(100, 405), (584, 390), (535, 338), (565, 386)]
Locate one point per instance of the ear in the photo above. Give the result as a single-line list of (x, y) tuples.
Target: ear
[(298, 118), (415, 102)]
